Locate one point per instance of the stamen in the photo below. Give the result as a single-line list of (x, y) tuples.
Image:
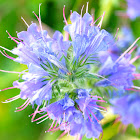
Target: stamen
[(56, 124), (11, 71), (97, 20), (82, 10), (127, 50), (89, 116), (87, 7), (100, 107), (8, 88), (40, 19), (132, 49), (36, 16), (36, 111), (134, 59), (65, 20), (12, 37), (64, 121), (100, 23), (51, 126), (19, 40), (23, 107), (55, 129), (65, 132), (92, 20), (136, 87), (97, 97), (40, 118), (81, 20), (93, 114), (6, 55), (23, 104), (15, 97), (99, 101), (64, 16), (25, 22), (6, 49), (133, 89), (116, 33), (12, 99)]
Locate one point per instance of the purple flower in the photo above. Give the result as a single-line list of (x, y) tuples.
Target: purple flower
[(79, 117), (127, 107), (36, 48), (119, 74), (54, 67), (87, 40), (133, 9)]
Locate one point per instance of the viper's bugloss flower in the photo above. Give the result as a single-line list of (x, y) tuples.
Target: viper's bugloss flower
[(87, 39), (127, 107), (79, 117), (119, 74), (133, 10)]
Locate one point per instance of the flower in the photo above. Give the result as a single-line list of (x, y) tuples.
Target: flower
[(56, 69), (87, 39), (133, 10), (77, 117), (119, 74), (127, 107)]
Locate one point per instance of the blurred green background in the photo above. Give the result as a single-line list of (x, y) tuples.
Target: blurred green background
[(17, 125)]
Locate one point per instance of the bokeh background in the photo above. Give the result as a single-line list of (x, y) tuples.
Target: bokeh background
[(17, 125)]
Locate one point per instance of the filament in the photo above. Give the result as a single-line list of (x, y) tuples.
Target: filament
[(127, 50), (25, 22), (6, 49), (64, 16), (87, 7)]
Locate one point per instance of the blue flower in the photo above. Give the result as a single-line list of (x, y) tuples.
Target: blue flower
[(87, 40), (127, 107), (133, 10), (36, 48), (79, 117), (52, 71), (119, 75)]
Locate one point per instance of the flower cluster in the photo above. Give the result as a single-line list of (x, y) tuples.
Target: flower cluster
[(57, 68)]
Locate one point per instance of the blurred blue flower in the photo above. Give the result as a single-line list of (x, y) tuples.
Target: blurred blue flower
[(133, 9), (127, 107)]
